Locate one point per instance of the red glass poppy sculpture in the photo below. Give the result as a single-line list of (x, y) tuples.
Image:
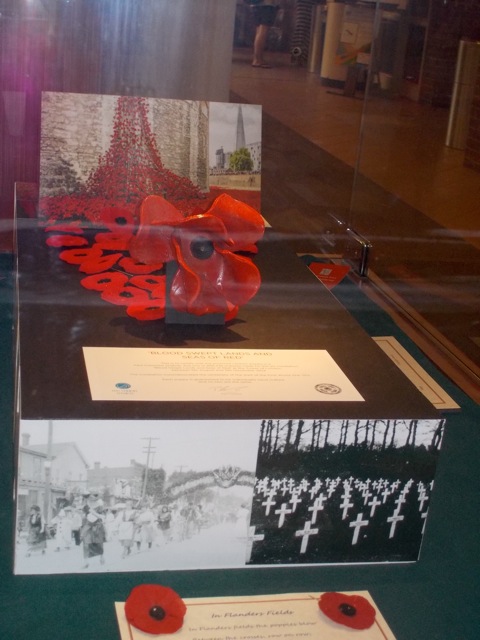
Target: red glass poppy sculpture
[(211, 275), (155, 609), (352, 611), (210, 251)]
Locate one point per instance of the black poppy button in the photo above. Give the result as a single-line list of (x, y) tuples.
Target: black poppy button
[(347, 609), (157, 612)]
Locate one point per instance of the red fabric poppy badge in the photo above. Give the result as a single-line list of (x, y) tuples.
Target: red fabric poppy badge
[(352, 611), (155, 609)]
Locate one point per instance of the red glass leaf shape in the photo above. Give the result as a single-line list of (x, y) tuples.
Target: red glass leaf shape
[(101, 263), (66, 241)]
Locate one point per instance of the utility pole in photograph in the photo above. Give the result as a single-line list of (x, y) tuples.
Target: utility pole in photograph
[(150, 451)]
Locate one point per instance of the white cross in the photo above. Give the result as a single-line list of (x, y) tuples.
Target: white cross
[(270, 502), (317, 506), (295, 500), (399, 501), (358, 524), (304, 484), (422, 498), (331, 489), (251, 538), (394, 520), (374, 504), (315, 488), (262, 486), (366, 495), (345, 506), (305, 533), (385, 494), (283, 511), (284, 488)]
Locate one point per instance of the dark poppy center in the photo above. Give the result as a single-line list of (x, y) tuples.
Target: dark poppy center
[(157, 612), (347, 609), (201, 249), (125, 294)]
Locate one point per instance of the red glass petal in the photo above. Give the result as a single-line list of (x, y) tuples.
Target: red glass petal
[(155, 210), (332, 604), (191, 295), (244, 225), (158, 218), (240, 278), (143, 598)]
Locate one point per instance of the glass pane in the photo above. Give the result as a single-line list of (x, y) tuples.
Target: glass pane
[(345, 152), (414, 195)]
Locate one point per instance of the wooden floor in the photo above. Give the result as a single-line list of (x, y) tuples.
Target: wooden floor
[(411, 197)]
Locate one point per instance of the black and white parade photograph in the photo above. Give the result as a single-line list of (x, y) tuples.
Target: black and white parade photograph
[(98, 496), (342, 491)]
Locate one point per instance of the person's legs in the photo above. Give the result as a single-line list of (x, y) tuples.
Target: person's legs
[(259, 44)]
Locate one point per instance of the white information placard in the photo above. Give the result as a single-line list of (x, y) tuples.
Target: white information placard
[(216, 375)]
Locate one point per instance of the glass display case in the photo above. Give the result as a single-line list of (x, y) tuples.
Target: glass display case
[(354, 175)]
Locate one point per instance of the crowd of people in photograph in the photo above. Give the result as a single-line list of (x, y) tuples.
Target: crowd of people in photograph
[(131, 526)]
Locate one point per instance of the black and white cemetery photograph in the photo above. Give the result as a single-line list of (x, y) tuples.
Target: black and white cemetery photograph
[(342, 491)]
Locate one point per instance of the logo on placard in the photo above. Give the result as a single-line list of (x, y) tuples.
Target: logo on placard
[(329, 389), (122, 385)]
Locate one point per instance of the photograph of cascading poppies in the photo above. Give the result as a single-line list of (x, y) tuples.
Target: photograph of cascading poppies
[(114, 168)]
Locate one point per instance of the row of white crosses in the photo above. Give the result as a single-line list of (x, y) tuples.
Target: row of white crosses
[(373, 493)]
